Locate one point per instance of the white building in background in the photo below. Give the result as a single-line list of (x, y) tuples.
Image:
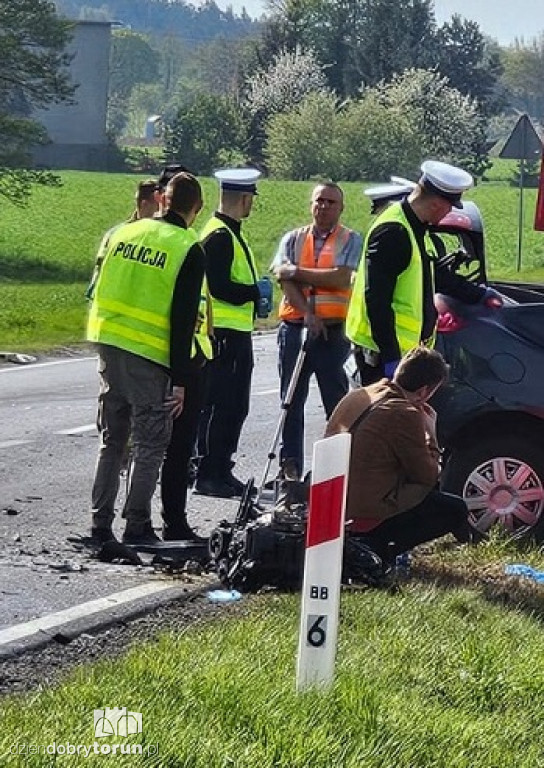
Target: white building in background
[(153, 127), (78, 131)]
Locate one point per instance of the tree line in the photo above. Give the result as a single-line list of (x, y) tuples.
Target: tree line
[(354, 59), (351, 89), (159, 17)]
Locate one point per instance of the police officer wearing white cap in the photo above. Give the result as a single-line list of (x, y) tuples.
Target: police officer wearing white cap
[(384, 194), (231, 273), (392, 306)]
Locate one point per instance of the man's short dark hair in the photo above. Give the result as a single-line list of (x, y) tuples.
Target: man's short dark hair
[(331, 185), (145, 190), (183, 193), (168, 173), (427, 194), (231, 196), (421, 367)]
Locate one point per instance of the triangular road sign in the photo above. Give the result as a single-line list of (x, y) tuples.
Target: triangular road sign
[(523, 143)]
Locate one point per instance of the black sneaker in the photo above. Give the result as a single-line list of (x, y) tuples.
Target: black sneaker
[(182, 534), (362, 565), (101, 535), (140, 535), (218, 488), (237, 485)]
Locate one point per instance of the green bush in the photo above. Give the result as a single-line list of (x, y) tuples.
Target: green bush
[(304, 143), (202, 132), (375, 141), (448, 125), (141, 160)]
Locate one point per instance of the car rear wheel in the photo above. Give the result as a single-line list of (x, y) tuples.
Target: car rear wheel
[(502, 482)]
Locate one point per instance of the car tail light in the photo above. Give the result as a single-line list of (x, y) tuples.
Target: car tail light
[(448, 322)]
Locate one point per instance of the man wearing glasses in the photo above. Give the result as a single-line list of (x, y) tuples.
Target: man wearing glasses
[(314, 266)]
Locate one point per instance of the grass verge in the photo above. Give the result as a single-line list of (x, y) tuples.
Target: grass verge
[(431, 677), (52, 243), (41, 316)]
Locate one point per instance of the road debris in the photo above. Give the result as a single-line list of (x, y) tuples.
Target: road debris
[(17, 357)]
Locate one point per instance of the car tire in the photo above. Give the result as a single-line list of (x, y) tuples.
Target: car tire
[(502, 481)]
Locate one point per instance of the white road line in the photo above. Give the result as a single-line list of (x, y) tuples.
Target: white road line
[(54, 620), (267, 392), (31, 366), (77, 430), (10, 443)]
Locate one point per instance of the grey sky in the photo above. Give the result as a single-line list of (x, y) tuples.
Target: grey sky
[(502, 19)]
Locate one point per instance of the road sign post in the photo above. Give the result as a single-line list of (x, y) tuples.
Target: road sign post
[(539, 213), (323, 562), (523, 144)]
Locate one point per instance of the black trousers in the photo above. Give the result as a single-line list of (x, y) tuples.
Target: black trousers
[(175, 469), (438, 514), (368, 374), (227, 403)]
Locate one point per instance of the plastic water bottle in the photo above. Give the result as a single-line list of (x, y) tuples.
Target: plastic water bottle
[(264, 308)]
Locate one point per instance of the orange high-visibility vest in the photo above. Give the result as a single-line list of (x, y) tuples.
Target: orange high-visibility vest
[(328, 303)]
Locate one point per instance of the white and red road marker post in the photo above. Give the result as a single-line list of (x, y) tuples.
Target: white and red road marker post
[(323, 562), (539, 212)]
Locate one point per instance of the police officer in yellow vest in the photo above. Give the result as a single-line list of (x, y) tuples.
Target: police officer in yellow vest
[(175, 472), (231, 273), (392, 304), (384, 194), (142, 319), (314, 265), (146, 207)]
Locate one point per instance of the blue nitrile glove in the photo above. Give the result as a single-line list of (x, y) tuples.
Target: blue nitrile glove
[(390, 368), (492, 299), (265, 302)]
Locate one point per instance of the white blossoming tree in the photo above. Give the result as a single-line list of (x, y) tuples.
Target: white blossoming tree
[(282, 86), (389, 129), (285, 83), (449, 125)]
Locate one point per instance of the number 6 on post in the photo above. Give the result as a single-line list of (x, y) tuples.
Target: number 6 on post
[(323, 562), (317, 631)]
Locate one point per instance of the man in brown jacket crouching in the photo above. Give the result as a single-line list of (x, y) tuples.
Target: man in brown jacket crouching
[(392, 500)]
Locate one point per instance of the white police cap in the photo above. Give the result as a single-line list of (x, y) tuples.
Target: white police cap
[(388, 191), (238, 179), (401, 181), (445, 180)]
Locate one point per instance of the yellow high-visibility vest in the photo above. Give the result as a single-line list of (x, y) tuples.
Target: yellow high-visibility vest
[(133, 295), (225, 315), (407, 296), (202, 332)]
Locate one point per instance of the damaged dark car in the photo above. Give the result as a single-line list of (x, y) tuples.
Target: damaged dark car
[(491, 413)]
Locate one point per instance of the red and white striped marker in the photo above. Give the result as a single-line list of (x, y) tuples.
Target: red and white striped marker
[(539, 212), (323, 562)]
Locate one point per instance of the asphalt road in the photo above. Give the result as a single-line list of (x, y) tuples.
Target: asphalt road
[(48, 447)]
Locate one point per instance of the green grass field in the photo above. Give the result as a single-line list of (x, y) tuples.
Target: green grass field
[(47, 249), (431, 677)]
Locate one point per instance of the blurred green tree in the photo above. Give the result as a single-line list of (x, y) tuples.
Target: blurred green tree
[(33, 43), (206, 134)]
